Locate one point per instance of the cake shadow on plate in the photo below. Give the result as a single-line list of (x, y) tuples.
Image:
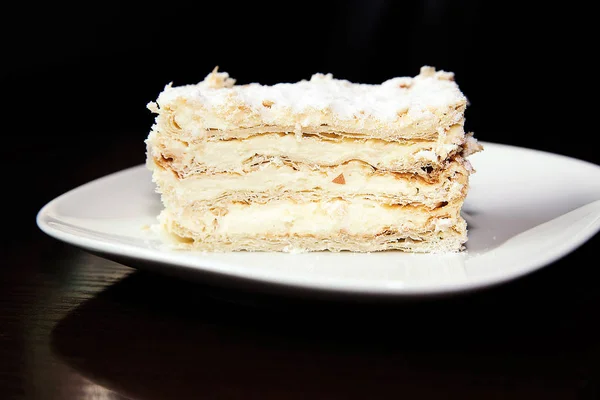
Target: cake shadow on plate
[(490, 229)]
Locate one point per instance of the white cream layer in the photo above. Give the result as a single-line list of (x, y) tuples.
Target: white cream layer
[(270, 180), (235, 155), (333, 217)]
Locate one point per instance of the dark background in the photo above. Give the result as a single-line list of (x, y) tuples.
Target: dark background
[(76, 78), (86, 72), (75, 81)]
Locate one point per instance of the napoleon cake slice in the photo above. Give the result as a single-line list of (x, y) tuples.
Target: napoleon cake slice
[(319, 164)]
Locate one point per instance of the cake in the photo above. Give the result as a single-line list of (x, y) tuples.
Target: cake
[(322, 164)]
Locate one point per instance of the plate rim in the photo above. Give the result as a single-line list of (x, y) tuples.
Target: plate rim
[(108, 249)]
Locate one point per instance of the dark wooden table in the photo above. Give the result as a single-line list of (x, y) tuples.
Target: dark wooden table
[(76, 326)]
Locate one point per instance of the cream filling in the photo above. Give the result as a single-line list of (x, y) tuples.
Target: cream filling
[(353, 179), (333, 217), (238, 154)]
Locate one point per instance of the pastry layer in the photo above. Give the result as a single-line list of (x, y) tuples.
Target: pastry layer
[(283, 225), (399, 108), (302, 183), (242, 155)]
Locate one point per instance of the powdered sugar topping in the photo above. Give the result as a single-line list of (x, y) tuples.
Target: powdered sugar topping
[(346, 100)]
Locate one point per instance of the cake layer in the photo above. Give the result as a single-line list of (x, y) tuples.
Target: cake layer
[(282, 225), (400, 108), (302, 183), (241, 155)]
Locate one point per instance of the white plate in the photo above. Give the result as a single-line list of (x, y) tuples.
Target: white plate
[(525, 209)]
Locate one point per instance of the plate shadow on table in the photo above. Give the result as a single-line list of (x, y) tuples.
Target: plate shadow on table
[(154, 337)]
